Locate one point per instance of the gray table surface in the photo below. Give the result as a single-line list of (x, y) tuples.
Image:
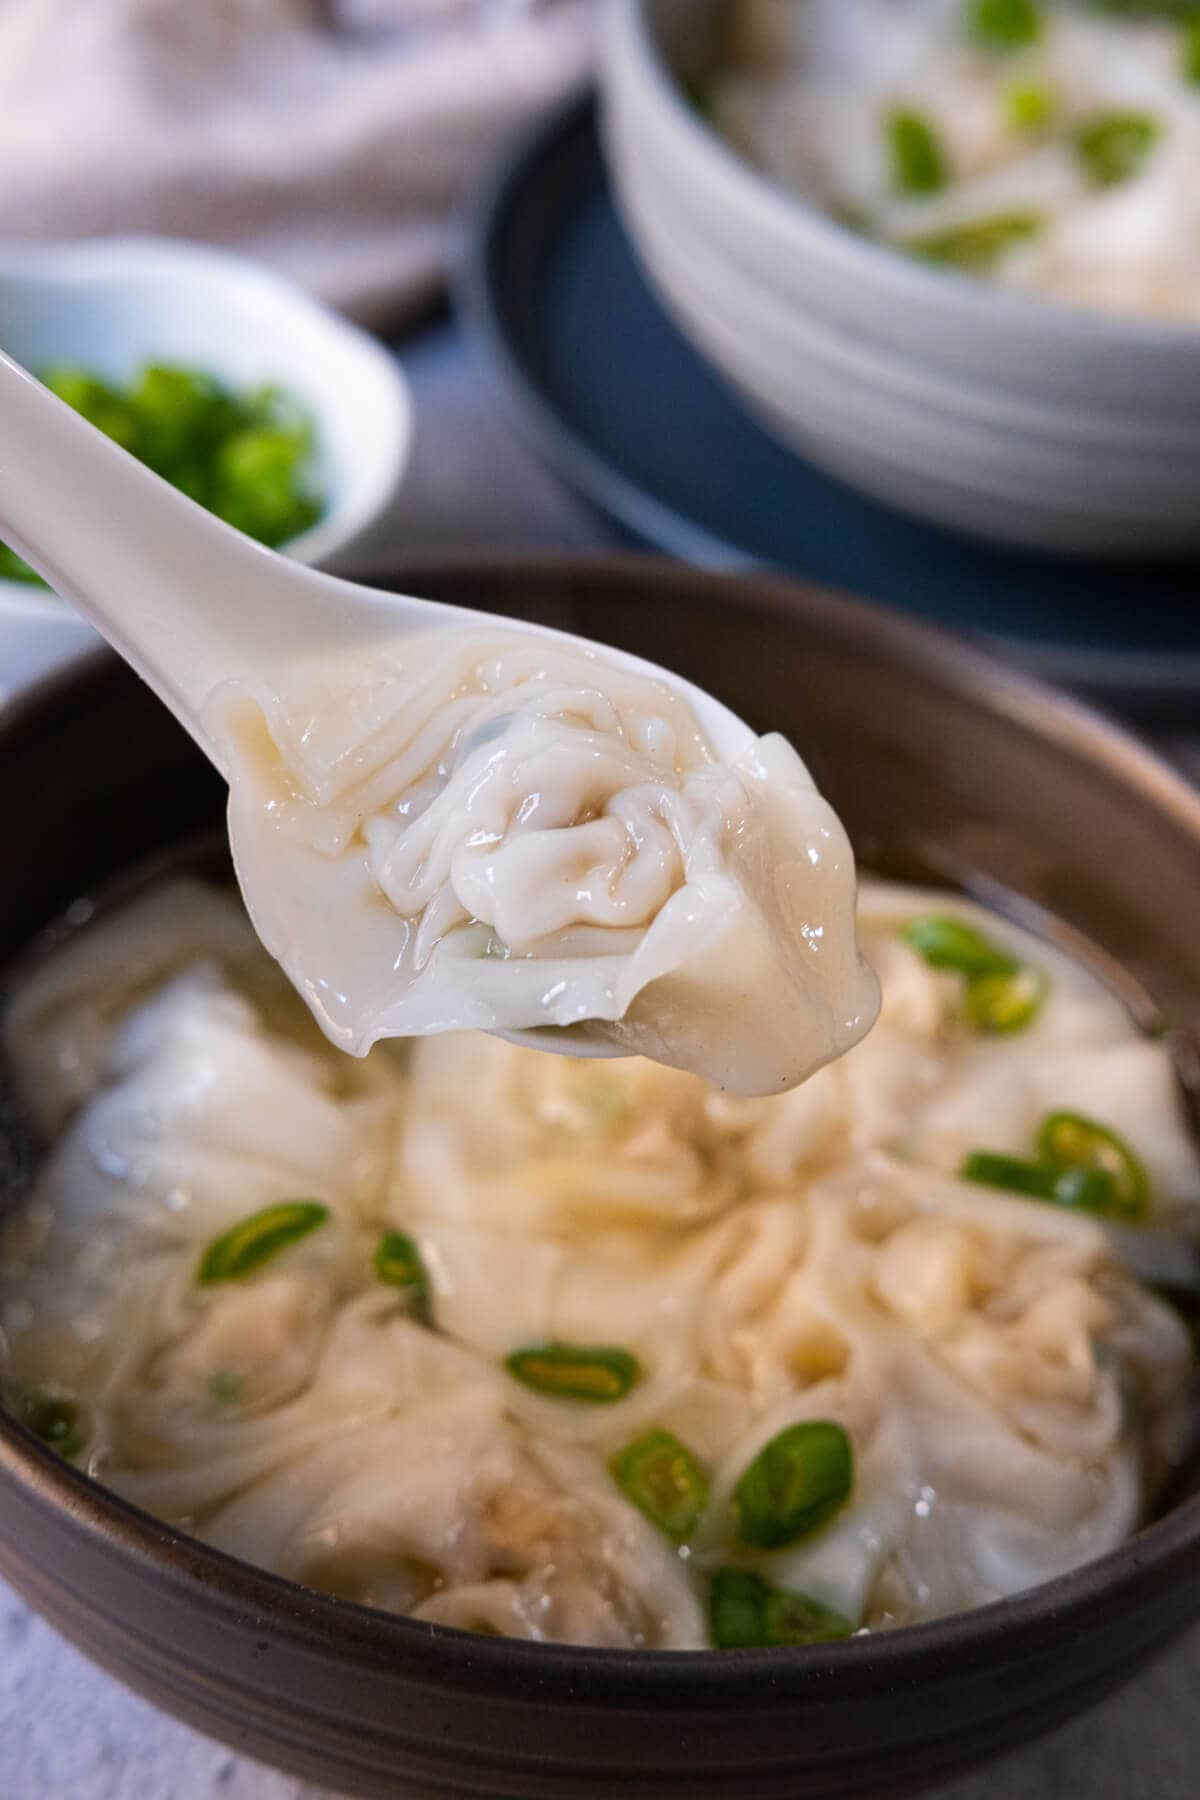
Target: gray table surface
[(67, 1732)]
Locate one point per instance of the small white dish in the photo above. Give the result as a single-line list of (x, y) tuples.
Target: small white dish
[(112, 304)]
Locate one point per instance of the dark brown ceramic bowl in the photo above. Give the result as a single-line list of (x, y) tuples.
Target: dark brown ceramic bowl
[(941, 763)]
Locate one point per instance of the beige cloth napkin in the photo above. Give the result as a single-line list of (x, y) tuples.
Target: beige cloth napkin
[(330, 138)]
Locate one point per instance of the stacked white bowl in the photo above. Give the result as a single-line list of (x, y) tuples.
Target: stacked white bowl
[(994, 412)]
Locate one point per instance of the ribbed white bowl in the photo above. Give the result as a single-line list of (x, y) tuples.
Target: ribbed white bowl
[(993, 412)]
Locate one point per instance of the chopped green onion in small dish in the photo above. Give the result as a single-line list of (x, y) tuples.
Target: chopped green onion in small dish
[(247, 457)]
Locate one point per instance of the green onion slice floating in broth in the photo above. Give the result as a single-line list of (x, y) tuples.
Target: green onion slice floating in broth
[(1087, 1190), (1003, 995), (595, 1373), (979, 244), (949, 943), (738, 1610), (398, 1262), (1006, 1003), (1113, 146), (1077, 1188), (794, 1618), (664, 1481), (747, 1613), (51, 1417), (1069, 1141), (1013, 1174), (794, 1485), (257, 1239), (917, 161)]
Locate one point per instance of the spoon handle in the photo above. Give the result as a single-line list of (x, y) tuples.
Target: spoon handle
[(186, 600)]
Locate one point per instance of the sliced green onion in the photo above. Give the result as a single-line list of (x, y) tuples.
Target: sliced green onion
[(52, 1418), (263, 1235), (664, 1481), (1113, 146), (1006, 1003), (949, 943), (794, 1618), (1004, 25), (1191, 50), (248, 457), (747, 1613), (1086, 1190), (738, 1609), (100, 404), (978, 245), (917, 161), (398, 1262), (1029, 106), (15, 568), (1083, 1190), (595, 1373), (794, 1485), (1068, 1141), (990, 1169), (225, 1387), (1002, 994)]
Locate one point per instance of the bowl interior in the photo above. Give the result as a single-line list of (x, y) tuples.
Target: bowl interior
[(944, 766)]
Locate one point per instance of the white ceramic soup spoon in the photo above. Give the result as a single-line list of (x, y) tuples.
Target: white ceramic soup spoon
[(191, 603)]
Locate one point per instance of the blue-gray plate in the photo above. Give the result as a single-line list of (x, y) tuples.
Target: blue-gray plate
[(616, 400)]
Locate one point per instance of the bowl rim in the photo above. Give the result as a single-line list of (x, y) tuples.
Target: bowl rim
[(223, 1585), (82, 262), (633, 41)]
